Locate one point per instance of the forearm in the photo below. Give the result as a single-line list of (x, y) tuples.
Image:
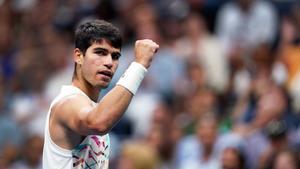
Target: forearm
[(109, 110)]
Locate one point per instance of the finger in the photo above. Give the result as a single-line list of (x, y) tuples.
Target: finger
[(148, 40), (153, 44), (156, 48)]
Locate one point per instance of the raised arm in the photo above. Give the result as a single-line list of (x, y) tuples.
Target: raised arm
[(84, 118)]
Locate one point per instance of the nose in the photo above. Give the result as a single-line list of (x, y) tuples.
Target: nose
[(108, 61)]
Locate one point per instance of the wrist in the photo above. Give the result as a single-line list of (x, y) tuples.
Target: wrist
[(145, 64), (132, 77)]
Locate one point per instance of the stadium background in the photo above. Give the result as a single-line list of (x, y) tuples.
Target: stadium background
[(223, 91)]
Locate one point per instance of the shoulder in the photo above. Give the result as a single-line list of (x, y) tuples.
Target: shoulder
[(70, 104)]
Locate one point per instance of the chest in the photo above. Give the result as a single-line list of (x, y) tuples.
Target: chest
[(93, 151)]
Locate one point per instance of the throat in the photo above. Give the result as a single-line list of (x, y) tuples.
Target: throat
[(91, 91), (93, 94)]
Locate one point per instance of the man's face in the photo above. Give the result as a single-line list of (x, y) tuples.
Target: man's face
[(207, 132), (100, 63)]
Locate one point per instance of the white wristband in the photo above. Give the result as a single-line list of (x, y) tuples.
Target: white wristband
[(132, 77)]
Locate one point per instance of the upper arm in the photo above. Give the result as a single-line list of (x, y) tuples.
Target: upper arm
[(72, 112), (78, 113)]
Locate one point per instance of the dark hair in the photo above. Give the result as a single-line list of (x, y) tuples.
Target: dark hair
[(94, 31), (276, 129)]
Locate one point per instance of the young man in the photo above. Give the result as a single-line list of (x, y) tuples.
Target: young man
[(76, 132)]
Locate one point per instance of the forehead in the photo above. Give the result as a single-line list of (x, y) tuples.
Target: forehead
[(105, 45)]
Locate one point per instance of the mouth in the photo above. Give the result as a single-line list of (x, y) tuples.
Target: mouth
[(106, 73)]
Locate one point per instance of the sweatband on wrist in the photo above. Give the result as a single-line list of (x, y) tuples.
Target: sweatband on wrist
[(132, 77)]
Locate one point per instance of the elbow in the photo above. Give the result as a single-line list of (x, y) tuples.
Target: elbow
[(102, 129), (98, 127), (102, 122)]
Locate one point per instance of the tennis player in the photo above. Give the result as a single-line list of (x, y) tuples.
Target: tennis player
[(77, 126)]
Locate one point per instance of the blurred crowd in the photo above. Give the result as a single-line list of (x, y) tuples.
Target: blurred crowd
[(222, 93)]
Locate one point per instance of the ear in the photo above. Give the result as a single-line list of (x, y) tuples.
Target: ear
[(77, 56)]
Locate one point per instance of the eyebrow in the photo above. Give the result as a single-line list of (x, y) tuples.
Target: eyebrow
[(106, 50), (99, 48)]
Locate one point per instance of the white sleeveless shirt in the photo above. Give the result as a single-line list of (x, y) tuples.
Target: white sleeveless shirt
[(91, 153)]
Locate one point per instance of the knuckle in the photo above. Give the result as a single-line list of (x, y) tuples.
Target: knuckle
[(137, 42)]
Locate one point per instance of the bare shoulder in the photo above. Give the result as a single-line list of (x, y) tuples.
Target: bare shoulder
[(70, 106)]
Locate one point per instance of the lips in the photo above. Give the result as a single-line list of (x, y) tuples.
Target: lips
[(106, 73)]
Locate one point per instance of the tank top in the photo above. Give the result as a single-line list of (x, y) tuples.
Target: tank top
[(91, 153)]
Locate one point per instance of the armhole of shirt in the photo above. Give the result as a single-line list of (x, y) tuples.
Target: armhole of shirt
[(62, 151)]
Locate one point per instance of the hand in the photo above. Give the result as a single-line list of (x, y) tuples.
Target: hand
[(144, 51)]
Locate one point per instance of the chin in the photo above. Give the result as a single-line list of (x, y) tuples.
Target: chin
[(102, 86)]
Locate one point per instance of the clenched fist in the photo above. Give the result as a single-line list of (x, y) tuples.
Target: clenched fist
[(144, 51)]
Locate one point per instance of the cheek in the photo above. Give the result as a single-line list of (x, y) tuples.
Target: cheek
[(97, 62), (92, 64), (89, 66)]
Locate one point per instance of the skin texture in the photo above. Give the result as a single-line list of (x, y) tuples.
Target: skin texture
[(75, 116)]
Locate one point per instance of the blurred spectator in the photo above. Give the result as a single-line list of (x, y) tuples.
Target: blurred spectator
[(233, 158), (138, 155), (32, 153), (30, 110), (271, 106), (289, 51), (198, 46), (7, 47), (140, 116), (59, 50), (196, 76), (197, 104), (10, 135), (199, 151), (8, 156), (164, 135), (276, 132), (285, 159), (246, 23)]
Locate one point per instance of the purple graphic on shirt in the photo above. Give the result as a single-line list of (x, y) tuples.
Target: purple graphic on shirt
[(92, 153)]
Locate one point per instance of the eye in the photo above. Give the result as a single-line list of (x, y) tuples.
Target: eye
[(115, 56), (101, 52)]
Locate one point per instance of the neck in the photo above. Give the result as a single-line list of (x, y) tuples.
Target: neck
[(207, 152), (91, 91)]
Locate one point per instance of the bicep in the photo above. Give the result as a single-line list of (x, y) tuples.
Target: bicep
[(72, 113)]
